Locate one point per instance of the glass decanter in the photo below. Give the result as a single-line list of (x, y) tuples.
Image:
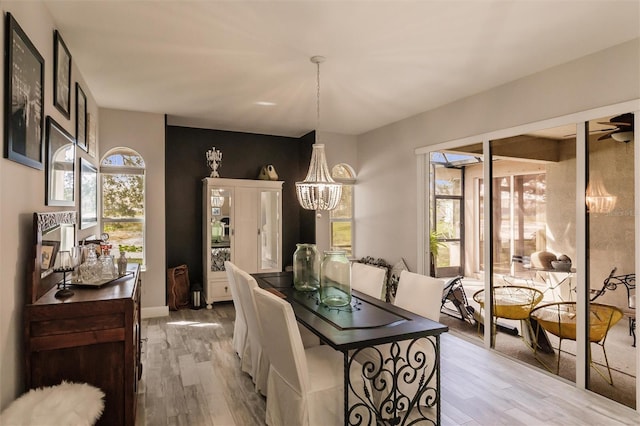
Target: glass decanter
[(90, 270)]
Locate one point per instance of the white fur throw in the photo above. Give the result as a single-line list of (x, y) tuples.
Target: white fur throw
[(66, 404)]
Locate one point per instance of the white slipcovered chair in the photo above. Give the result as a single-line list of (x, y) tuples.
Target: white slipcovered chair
[(305, 386), (420, 294), (240, 323), (368, 279), (259, 362)]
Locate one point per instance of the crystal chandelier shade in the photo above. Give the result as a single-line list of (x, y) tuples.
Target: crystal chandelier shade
[(318, 191), (597, 197)]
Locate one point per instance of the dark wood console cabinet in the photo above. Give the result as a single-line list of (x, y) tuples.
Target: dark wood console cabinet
[(92, 337)]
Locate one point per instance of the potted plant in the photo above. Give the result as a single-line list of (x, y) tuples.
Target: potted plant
[(434, 244)]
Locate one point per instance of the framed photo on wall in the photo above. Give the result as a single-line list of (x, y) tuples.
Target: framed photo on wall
[(61, 75), (91, 134), (81, 118), (61, 160), (88, 194), (23, 98)]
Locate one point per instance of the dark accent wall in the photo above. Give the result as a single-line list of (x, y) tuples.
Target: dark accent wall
[(243, 155)]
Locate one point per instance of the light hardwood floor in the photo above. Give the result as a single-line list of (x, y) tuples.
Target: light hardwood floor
[(192, 377)]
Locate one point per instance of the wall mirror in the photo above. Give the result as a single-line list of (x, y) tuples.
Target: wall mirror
[(52, 232), (88, 194), (61, 157)]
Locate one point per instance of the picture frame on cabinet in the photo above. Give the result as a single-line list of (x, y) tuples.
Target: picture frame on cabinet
[(49, 253), (23, 98), (88, 194), (60, 170), (61, 75), (81, 118)]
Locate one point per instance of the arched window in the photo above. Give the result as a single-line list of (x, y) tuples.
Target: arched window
[(342, 217), (123, 207)]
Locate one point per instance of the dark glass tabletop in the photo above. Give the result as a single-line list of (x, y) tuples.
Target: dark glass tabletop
[(367, 321)]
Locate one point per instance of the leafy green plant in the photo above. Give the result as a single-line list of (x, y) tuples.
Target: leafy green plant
[(434, 244)]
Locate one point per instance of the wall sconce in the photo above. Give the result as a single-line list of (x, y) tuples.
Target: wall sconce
[(597, 198)]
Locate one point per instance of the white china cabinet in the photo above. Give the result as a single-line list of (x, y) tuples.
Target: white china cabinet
[(242, 222)]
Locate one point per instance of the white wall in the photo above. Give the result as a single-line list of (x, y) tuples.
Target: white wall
[(144, 132), (386, 210), (22, 192)]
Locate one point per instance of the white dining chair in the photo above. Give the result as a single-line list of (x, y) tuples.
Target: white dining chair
[(240, 323), (420, 294), (368, 279), (305, 386), (258, 362)]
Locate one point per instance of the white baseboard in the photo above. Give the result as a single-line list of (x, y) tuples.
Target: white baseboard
[(155, 311)]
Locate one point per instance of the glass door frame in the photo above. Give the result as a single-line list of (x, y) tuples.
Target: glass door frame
[(450, 270), (581, 120)]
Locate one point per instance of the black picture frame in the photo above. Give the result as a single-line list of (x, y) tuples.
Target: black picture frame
[(81, 118), (61, 75), (60, 170), (88, 194), (23, 98), (48, 254)]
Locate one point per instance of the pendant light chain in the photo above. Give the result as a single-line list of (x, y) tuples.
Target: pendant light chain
[(317, 101), (318, 191)]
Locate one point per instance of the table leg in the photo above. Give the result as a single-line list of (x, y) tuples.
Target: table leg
[(402, 382)]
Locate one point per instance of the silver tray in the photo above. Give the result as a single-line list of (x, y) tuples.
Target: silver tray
[(99, 283)]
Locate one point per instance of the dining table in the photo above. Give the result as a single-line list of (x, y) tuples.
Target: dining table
[(368, 324)]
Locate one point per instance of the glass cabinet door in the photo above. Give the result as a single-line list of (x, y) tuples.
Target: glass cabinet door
[(270, 229), (219, 224)]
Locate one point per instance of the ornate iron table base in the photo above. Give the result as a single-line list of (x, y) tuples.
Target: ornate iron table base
[(402, 383)]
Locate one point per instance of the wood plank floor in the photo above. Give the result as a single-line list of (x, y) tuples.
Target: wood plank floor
[(191, 376)]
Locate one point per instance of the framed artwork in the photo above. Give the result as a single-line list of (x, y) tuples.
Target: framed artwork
[(23, 98), (61, 160), (81, 118), (48, 255), (88, 194), (91, 134), (61, 75)]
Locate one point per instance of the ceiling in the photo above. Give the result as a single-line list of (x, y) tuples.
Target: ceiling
[(210, 63)]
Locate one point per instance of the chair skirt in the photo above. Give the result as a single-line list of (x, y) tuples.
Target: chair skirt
[(323, 403)]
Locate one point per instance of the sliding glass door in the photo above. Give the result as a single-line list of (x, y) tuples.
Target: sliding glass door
[(548, 248), (611, 258)]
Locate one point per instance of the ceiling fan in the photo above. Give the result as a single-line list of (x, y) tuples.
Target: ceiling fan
[(623, 131)]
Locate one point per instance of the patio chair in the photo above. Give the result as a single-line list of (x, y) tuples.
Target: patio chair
[(513, 303), (559, 319), (629, 282), (454, 301)]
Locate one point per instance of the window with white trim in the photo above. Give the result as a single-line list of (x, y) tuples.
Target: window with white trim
[(122, 172), (341, 219)]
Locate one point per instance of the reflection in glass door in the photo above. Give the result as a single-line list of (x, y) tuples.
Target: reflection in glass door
[(533, 246), (269, 230), (568, 267), (447, 222), (611, 254)]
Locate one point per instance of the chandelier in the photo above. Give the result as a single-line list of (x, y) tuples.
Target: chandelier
[(597, 197), (318, 191)]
